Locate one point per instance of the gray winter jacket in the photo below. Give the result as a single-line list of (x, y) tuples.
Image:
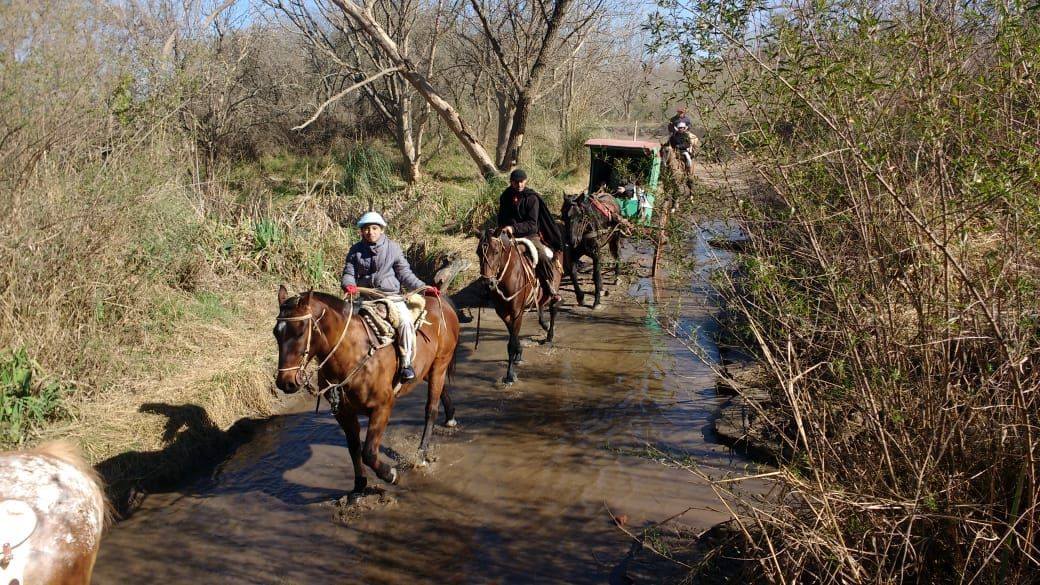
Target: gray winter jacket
[(381, 265)]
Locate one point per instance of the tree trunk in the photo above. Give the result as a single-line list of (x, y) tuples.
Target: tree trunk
[(505, 127), (405, 140), (451, 117), (515, 146)]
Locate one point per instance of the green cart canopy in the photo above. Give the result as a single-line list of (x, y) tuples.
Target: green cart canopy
[(616, 163)]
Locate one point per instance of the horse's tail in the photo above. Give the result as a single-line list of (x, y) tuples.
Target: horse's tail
[(66, 452), (451, 366)]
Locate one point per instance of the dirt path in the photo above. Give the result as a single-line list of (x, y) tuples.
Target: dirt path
[(517, 494)]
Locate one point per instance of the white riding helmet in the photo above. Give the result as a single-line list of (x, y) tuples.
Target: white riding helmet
[(370, 218)]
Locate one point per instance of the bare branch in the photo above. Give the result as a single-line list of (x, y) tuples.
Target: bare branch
[(339, 95)]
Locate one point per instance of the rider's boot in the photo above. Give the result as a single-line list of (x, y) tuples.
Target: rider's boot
[(407, 374), (547, 275)]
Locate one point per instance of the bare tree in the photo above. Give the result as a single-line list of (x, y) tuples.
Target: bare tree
[(363, 22), (355, 56), (530, 42)]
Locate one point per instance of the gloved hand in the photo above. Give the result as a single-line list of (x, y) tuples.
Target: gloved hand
[(350, 289), (432, 291)]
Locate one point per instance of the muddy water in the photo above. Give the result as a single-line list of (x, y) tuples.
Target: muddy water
[(518, 493)]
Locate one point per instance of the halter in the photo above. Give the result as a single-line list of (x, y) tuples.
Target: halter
[(509, 258), (306, 357), (21, 525)]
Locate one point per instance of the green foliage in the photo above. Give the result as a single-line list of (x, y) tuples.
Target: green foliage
[(367, 172), (26, 400), (266, 235), (315, 270)]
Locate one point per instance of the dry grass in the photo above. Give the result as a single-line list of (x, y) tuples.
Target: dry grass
[(224, 368)]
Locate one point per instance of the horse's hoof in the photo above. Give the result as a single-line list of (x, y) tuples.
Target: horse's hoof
[(509, 380), (452, 423), (424, 462), (597, 307), (393, 476)]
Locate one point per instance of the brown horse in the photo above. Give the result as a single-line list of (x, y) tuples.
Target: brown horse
[(356, 377), (52, 514), (510, 278)]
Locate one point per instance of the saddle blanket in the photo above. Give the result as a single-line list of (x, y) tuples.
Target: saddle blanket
[(532, 250), (383, 317)]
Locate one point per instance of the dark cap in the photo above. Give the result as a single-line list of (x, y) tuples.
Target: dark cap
[(518, 175)]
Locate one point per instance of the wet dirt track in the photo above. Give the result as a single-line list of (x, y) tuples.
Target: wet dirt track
[(517, 494)]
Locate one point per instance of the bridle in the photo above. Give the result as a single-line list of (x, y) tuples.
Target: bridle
[(496, 282), (582, 224), (577, 228), (306, 357)]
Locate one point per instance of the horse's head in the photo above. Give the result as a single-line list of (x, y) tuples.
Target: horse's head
[(294, 332), (574, 228), (493, 252)]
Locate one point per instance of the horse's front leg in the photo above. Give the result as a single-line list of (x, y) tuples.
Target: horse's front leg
[(597, 278), (514, 348), (554, 308), (572, 269), (377, 422), (541, 319), (348, 421)]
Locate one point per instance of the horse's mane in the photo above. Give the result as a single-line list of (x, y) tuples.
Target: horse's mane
[(67, 452), (331, 300), (337, 304), (583, 203)]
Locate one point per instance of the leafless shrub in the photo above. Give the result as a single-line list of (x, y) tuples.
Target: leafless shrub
[(892, 293)]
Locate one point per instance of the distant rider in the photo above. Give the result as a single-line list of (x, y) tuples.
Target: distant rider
[(680, 117), (377, 262), (523, 214), (680, 139)]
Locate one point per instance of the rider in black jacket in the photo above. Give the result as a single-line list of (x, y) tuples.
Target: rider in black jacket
[(523, 214)]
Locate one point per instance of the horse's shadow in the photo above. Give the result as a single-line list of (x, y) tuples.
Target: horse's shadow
[(193, 450)]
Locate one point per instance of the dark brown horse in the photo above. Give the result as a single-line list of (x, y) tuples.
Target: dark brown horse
[(52, 514), (510, 278), (587, 228), (359, 379)]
